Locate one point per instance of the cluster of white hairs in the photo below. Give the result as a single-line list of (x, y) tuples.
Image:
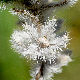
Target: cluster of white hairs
[(39, 42), (72, 2), (31, 41), (3, 6)]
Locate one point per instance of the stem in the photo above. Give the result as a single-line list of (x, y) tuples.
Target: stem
[(58, 4), (41, 71)]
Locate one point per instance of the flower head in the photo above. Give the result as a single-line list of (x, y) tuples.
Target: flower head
[(37, 43)]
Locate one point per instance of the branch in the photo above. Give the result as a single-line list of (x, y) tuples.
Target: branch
[(41, 71), (58, 4)]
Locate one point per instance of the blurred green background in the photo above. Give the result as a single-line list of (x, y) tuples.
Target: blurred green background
[(12, 67)]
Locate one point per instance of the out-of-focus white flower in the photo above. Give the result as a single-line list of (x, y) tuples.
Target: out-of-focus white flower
[(72, 2)]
